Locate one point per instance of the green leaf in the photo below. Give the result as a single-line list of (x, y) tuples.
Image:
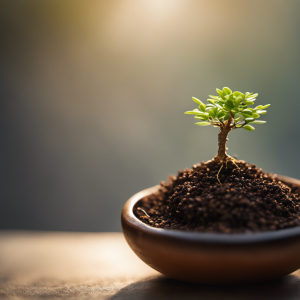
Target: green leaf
[(255, 115), (202, 123), (231, 97), (249, 127), (238, 101), (261, 112), (249, 102), (220, 93), (247, 112), (225, 93), (211, 101), (266, 106), (221, 114), (212, 113), (229, 104), (236, 93), (202, 107), (259, 122), (214, 97), (197, 100), (235, 110), (204, 117), (244, 115), (249, 119), (192, 112), (258, 107), (226, 90)]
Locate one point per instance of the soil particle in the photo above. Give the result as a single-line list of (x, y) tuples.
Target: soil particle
[(248, 200)]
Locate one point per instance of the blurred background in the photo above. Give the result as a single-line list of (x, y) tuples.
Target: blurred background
[(93, 95)]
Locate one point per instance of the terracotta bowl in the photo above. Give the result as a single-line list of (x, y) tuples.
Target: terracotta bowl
[(212, 258)]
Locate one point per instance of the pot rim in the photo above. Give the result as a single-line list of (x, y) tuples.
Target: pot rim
[(206, 237)]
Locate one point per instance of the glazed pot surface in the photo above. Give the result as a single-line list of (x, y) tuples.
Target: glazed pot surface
[(212, 258)]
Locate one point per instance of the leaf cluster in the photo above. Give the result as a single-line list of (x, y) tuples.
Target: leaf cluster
[(231, 107)]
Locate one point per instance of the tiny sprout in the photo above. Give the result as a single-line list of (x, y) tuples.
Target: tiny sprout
[(229, 110)]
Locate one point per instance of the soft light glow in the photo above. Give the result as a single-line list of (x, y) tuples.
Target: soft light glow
[(162, 8)]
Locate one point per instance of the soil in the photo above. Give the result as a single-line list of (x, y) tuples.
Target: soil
[(247, 200)]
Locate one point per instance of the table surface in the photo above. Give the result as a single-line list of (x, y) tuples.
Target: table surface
[(58, 265)]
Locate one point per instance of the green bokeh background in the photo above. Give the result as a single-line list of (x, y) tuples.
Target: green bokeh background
[(93, 95)]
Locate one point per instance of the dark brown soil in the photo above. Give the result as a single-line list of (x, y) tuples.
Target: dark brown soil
[(248, 200)]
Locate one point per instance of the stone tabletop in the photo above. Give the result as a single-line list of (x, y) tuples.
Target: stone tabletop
[(58, 265)]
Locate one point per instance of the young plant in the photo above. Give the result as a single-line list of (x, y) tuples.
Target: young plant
[(229, 110)]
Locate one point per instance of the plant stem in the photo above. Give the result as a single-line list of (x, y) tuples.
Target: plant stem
[(222, 139)]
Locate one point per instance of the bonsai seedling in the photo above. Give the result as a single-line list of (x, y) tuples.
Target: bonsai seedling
[(229, 110), (243, 199)]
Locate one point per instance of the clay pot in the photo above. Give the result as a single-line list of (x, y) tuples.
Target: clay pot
[(212, 258)]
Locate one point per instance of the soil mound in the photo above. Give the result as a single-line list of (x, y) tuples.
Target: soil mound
[(248, 200)]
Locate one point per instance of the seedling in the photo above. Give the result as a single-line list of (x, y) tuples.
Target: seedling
[(229, 110)]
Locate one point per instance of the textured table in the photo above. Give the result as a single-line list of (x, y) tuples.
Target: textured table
[(36, 265)]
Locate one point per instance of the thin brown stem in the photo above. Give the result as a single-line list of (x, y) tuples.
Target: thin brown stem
[(222, 139)]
